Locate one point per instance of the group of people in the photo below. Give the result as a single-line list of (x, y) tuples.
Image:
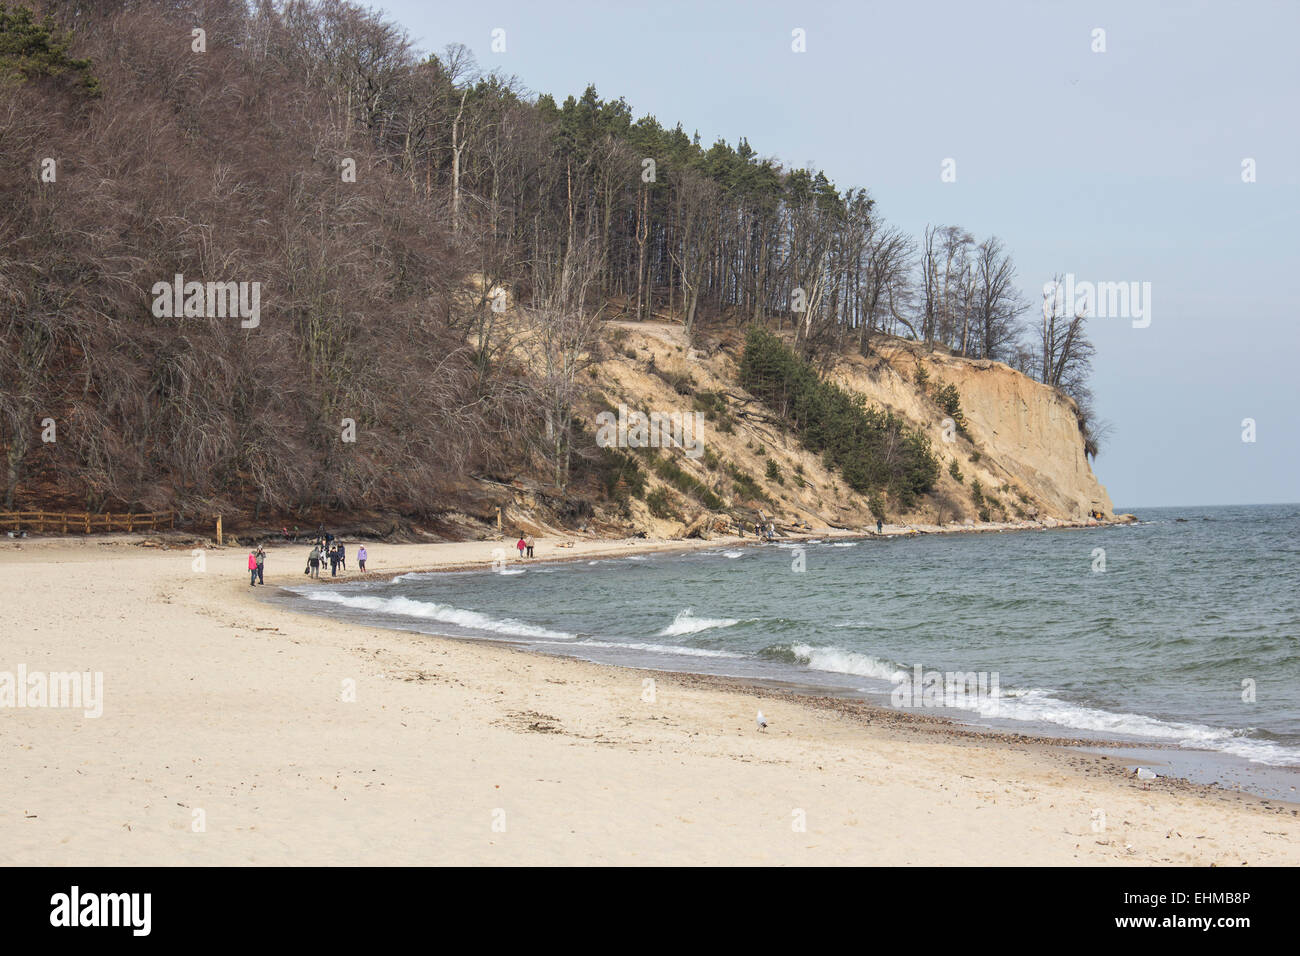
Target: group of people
[(327, 548), (762, 531), (525, 544)]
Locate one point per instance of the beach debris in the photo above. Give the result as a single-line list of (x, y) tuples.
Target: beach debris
[(761, 721)]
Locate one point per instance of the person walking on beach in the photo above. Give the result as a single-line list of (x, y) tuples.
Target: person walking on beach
[(252, 568), (334, 562), (521, 545), (261, 564), (343, 557), (313, 561), (361, 558), (529, 542), (879, 526)]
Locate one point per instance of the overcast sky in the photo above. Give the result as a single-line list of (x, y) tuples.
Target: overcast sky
[(1122, 165)]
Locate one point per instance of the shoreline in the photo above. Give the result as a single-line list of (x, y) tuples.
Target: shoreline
[(231, 705), (827, 697)]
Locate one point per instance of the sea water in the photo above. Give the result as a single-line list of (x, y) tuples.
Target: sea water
[(1182, 630)]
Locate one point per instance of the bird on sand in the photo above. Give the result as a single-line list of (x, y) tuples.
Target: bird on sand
[(762, 721), (1146, 775)]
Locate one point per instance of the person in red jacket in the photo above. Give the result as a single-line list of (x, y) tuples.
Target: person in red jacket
[(252, 568), (521, 545)]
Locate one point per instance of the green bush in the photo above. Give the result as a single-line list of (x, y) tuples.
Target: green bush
[(955, 471), (661, 505), (948, 399), (871, 448), (746, 486), (685, 482), (774, 473)]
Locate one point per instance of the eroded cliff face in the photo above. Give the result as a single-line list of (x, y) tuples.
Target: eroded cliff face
[(1024, 433), (1020, 458)]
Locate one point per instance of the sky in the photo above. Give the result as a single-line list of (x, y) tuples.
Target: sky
[(1112, 157)]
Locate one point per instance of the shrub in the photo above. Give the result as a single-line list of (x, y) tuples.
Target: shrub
[(871, 448), (746, 486), (948, 399), (687, 483), (774, 473), (955, 471), (681, 382), (660, 504), (619, 474)]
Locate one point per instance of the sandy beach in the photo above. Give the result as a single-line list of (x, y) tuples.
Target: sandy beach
[(238, 732)]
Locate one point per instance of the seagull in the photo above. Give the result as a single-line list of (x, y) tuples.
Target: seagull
[(762, 721), (1144, 774)]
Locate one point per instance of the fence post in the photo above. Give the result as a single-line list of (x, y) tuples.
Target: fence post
[(87, 522), (218, 531)]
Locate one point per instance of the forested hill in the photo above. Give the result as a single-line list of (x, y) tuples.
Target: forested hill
[(405, 264)]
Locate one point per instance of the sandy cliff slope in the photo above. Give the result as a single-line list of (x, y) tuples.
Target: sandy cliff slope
[(1021, 440)]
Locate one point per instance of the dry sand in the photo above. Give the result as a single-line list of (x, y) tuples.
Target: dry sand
[(463, 753)]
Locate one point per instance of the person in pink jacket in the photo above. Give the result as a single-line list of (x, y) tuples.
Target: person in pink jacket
[(252, 568)]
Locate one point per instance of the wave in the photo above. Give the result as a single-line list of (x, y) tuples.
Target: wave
[(835, 660), (675, 649), (445, 613), (686, 623), (733, 555), (1039, 706)]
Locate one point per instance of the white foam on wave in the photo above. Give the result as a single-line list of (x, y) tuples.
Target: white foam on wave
[(428, 610), (839, 661), (1039, 706), (687, 623), (655, 648), (733, 555)]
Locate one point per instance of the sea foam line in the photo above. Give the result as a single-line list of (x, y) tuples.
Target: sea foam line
[(445, 613)]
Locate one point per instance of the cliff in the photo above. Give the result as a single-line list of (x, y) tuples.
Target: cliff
[(1019, 457)]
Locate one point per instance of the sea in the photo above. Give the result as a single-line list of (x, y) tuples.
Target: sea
[(1178, 635)]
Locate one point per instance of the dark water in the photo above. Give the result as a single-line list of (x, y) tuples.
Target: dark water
[(1195, 608)]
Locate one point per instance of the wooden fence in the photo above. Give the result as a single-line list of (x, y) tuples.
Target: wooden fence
[(74, 522)]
